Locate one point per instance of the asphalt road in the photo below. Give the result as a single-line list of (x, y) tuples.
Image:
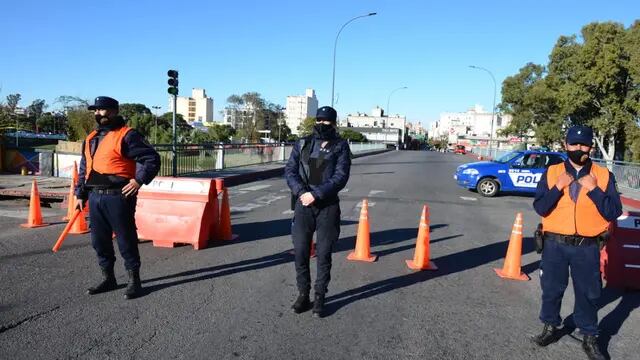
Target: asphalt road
[(232, 300)]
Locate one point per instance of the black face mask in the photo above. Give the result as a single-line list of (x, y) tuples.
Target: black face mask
[(579, 157), (323, 131)]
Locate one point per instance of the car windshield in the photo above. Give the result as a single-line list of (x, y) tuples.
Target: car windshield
[(506, 158)]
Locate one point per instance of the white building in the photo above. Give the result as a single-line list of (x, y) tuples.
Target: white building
[(474, 123), (198, 107), (377, 119), (299, 107)]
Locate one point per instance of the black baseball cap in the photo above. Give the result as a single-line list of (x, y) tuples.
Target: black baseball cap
[(104, 102), (580, 134), (327, 113)]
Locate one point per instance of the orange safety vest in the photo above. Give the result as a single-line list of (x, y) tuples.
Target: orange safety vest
[(108, 158), (576, 218)]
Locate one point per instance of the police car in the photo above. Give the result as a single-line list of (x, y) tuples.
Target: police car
[(517, 171)]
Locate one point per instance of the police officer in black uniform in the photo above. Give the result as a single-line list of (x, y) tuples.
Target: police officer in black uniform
[(316, 171), (116, 161)]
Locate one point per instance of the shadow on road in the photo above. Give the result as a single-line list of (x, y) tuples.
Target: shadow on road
[(383, 237), (449, 264), (211, 272)]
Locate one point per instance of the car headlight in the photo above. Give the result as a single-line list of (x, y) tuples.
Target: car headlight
[(470, 172)]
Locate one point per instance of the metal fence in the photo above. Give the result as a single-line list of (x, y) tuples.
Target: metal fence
[(627, 174), (197, 158)]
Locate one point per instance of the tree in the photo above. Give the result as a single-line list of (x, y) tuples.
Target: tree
[(306, 126), (35, 111), (280, 131), (594, 80), (80, 123), (251, 113), (221, 133), (12, 102), (352, 135), (129, 110), (46, 122)]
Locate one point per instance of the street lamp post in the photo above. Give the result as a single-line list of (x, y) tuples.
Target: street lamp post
[(335, 45), (155, 130), (493, 109), (389, 98)]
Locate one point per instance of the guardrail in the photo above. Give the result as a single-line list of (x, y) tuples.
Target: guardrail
[(196, 158)]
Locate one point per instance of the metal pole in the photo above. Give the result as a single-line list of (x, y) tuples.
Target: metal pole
[(335, 45), (389, 98), (493, 109), (155, 132), (175, 139)]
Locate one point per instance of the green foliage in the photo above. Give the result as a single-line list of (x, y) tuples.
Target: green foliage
[(129, 110), (253, 113), (306, 126), (352, 135), (594, 80), (221, 133), (80, 123)]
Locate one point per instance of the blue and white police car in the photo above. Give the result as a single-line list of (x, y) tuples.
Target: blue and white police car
[(517, 171)]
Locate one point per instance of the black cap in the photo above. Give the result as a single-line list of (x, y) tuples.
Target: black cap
[(104, 102), (580, 135), (327, 113)]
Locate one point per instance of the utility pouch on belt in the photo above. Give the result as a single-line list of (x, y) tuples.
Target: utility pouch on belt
[(538, 237), (603, 238)]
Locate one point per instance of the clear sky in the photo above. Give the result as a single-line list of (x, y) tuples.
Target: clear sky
[(123, 48)]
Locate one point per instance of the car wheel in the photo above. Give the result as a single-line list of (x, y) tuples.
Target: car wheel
[(488, 187)]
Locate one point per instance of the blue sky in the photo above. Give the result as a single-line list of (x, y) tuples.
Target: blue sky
[(123, 49)]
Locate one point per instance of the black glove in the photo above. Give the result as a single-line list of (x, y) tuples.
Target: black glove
[(538, 236)]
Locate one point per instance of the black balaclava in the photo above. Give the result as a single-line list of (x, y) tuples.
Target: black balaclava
[(324, 131), (115, 121), (579, 157)]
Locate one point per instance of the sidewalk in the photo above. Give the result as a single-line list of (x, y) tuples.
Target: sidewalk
[(55, 188)]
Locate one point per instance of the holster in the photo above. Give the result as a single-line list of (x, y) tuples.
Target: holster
[(538, 237), (603, 238)]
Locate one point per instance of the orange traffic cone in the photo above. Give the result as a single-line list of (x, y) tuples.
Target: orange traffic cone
[(35, 213), (363, 241), (80, 225), (511, 268), (224, 228), (421, 256), (71, 200)]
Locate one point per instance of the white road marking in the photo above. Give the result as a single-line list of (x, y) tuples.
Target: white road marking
[(258, 203), (344, 190), (468, 198), (374, 192), (371, 204), (255, 187), (23, 214), (288, 212)]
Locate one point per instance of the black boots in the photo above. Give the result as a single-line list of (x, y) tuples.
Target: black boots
[(134, 289), (302, 303), (318, 306), (548, 336), (590, 346), (108, 283)]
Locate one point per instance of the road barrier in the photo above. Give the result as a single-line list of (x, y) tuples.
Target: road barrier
[(421, 257), (176, 210), (511, 268), (620, 258), (363, 241), (35, 212)]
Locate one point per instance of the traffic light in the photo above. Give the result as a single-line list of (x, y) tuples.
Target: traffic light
[(173, 82)]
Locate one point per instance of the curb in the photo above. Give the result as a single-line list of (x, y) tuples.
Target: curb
[(630, 202)]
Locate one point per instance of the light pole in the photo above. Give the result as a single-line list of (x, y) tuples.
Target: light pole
[(155, 130), (335, 45), (389, 98), (493, 109)]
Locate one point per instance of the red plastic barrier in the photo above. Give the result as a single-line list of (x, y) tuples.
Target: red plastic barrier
[(620, 258), (176, 211)]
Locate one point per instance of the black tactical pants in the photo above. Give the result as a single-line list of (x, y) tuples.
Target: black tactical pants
[(325, 222)]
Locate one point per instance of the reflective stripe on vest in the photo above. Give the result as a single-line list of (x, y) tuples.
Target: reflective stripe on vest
[(108, 158), (579, 218)]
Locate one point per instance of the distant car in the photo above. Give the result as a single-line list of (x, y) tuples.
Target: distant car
[(460, 149), (517, 171)]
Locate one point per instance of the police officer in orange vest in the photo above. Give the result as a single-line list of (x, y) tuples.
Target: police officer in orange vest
[(116, 161), (577, 200)]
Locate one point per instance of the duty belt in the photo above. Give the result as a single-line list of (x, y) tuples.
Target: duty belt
[(117, 191), (573, 240)]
